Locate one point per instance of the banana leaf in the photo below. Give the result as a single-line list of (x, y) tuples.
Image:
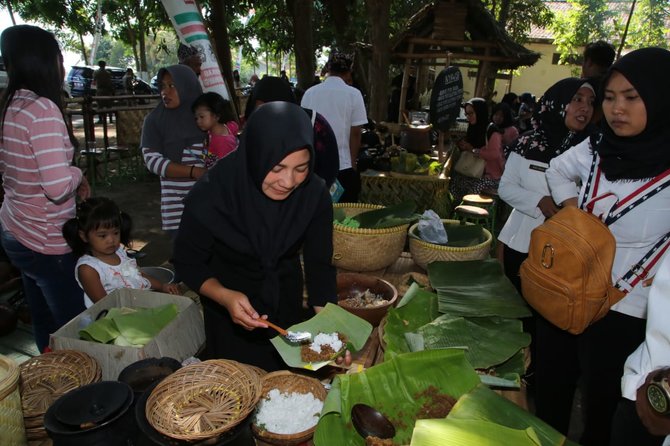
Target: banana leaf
[(399, 214), (458, 235), (332, 318), (455, 432), (487, 346), (476, 288), (419, 310), (141, 326), (484, 404), (129, 326), (392, 387)]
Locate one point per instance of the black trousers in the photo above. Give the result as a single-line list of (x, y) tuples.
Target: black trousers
[(595, 360), (351, 182), (628, 430)]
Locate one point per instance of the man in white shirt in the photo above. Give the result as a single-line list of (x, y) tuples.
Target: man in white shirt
[(343, 108)]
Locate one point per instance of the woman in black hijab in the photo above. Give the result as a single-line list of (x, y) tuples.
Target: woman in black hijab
[(243, 226), (327, 157), (623, 170)]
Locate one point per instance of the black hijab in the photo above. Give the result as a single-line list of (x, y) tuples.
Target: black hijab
[(647, 154), (170, 131), (550, 137), (476, 133), (269, 89), (230, 201)]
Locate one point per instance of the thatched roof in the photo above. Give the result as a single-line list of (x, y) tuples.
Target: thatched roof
[(463, 27)]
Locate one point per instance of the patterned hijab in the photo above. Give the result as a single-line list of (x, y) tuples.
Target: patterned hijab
[(550, 137), (647, 154)]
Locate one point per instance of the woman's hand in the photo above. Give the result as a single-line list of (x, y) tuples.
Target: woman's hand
[(655, 423), (464, 145), (570, 202), (198, 172), (241, 311), (547, 206), (84, 189)]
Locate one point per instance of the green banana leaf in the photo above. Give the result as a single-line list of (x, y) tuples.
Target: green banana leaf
[(476, 288), (488, 344), (143, 325), (455, 432), (458, 235), (396, 215), (103, 330), (392, 388), (332, 318), (417, 310), (484, 404)]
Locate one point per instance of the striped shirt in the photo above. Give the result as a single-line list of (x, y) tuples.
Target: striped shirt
[(173, 190), (39, 181)]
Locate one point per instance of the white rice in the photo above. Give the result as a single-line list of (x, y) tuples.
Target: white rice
[(288, 413), (322, 339)]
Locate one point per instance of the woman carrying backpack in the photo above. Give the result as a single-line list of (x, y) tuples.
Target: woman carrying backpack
[(621, 169)]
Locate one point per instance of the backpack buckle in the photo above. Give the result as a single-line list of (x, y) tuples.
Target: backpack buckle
[(547, 259), (640, 271)]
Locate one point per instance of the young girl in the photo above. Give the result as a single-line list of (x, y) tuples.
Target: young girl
[(95, 237), (214, 115)]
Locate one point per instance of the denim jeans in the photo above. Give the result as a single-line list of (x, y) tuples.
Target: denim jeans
[(51, 291)]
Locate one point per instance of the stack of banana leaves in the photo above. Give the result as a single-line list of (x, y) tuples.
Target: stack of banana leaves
[(476, 309), (388, 217), (416, 391)]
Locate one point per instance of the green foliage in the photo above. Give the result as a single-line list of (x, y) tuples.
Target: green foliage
[(648, 24)]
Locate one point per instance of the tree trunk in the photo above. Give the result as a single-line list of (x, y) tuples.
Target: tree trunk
[(303, 45), (503, 16), (378, 82), (11, 11), (83, 47), (625, 31), (222, 43), (339, 11)]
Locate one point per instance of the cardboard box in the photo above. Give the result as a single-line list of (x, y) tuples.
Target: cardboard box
[(180, 339)]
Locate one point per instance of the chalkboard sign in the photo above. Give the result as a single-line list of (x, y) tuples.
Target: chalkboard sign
[(446, 98)]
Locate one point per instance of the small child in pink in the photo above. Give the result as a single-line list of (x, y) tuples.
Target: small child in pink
[(214, 115)]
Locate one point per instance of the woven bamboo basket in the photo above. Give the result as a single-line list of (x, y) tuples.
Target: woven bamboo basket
[(47, 377), (204, 400), (424, 253), (357, 249), (12, 429), (288, 382)]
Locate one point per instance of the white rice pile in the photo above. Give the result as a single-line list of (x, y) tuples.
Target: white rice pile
[(288, 413), (323, 339)]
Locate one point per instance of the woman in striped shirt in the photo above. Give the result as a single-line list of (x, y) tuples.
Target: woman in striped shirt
[(40, 183)]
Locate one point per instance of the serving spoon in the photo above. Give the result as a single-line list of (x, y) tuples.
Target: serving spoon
[(296, 337), (369, 422)]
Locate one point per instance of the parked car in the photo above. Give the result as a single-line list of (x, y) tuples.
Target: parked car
[(3, 75), (80, 80)]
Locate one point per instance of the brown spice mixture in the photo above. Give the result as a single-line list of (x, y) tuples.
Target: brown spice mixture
[(437, 405), (327, 352), (366, 299), (376, 441)]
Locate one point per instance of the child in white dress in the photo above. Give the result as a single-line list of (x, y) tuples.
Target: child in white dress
[(95, 236)]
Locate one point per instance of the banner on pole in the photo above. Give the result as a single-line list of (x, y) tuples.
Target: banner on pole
[(187, 21)]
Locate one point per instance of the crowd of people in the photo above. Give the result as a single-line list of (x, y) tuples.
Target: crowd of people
[(247, 203)]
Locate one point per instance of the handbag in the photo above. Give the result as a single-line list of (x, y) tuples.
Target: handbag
[(470, 165), (567, 277)]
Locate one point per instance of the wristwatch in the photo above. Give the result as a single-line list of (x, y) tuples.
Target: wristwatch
[(658, 393)]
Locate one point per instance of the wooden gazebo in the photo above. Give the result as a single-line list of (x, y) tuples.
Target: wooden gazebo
[(461, 32)]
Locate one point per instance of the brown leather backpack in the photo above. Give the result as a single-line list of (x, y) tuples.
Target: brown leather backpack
[(567, 276)]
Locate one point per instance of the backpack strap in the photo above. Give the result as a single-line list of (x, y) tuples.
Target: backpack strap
[(641, 269)]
